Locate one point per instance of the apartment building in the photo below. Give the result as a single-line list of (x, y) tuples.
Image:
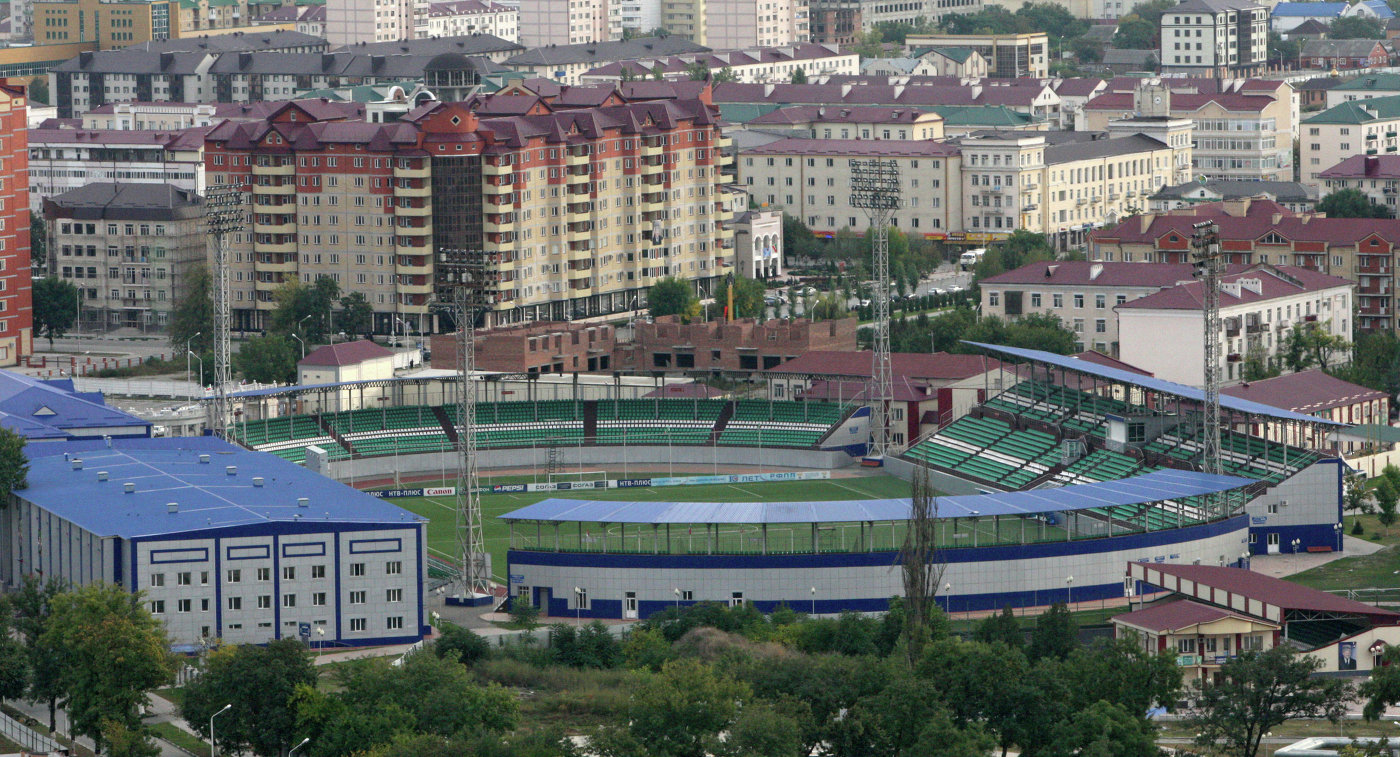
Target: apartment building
[(168, 116), (109, 24), (16, 313), (1259, 306), (855, 122), (129, 248), (1360, 250), (811, 179), (1376, 176), (1009, 56), (1239, 135), (566, 64), (459, 17), (1040, 99), (766, 64), (1363, 87), (545, 23), (65, 159), (1081, 293), (1215, 37), (1360, 127), (737, 24), (350, 22), (1290, 194), (834, 22)]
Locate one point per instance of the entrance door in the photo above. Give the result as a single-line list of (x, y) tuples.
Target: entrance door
[(1273, 543), (542, 596), (629, 606)]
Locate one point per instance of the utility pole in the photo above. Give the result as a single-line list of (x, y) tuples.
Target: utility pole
[(223, 213), (875, 187), (1208, 262)]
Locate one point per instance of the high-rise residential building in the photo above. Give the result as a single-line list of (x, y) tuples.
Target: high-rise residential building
[(16, 310), (350, 22), (64, 159), (737, 24), (569, 22), (129, 248), (641, 15), (566, 214), (1215, 37)]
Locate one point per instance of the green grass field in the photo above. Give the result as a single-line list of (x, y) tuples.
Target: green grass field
[(440, 510)]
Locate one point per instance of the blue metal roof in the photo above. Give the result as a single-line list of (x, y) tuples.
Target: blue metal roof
[(39, 409), (1149, 487), (1380, 8), (1152, 384), (169, 470)]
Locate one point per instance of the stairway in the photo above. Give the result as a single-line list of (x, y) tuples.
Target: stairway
[(342, 441), (449, 425), (723, 420)]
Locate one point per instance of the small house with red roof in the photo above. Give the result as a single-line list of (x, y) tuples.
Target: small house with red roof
[(360, 360)]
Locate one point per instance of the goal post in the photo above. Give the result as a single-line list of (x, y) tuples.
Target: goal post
[(556, 477)]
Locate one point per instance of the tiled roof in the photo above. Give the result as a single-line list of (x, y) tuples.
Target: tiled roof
[(1274, 591), (1274, 282), (923, 92), (1306, 392), (1365, 166), (345, 353), (467, 44), (902, 389), (1166, 617), (1261, 217), (117, 200), (896, 148), (1091, 274), (170, 139), (1379, 81), (856, 114), (603, 52), (1359, 111), (1343, 48), (1286, 191), (1056, 154), (1123, 101), (945, 366)]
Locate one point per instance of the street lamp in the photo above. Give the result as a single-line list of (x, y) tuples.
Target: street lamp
[(303, 345), (948, 592), (677, 592), (814, 601), (303, 743), (213, 746), (187, 361), (1069, 592), (1296, 542), (578, 604), (1244, 559), (188, 354), (1337, 529), (320, 640)]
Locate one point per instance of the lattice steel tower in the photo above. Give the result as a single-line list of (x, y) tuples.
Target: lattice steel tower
[(1205, 243), (223, 215), (471, 544), (875, 188)]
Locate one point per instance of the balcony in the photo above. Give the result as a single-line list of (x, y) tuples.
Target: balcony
[(407, 265), (724, 143), (415, 173), (576, 160), (652, 151), (425, 288), (423, 191), (275, 189), (497, 227), (491, 169), (415, 212), (287, 247), (285, 227), (578, 236), (578, 178), (497, 189), (414, 231), (287, 170)]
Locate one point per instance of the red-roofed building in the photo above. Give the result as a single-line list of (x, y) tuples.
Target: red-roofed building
[(1376, 176), (1201, 636), (1313, 392), (1262, 231), (1258, 306), (360, 360), (929, 390)]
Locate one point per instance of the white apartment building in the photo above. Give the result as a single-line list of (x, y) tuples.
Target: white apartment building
[(1362, 127), (770, 65), (64, 159), (350, 22), (1215, 37), (641, 15), (461, 17), (569, 22), (738, 24), (1161, 332)]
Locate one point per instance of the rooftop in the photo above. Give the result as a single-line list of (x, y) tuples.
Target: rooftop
[(944, 366), (1379, 81), (1086, 273), (1340, 48), (38, 409), (117, 200), (1310, 10), (1359, 111), (1261, 219), (280, 39), (1276, 592), (856, 114), (467, 44), (1285, 191), (888, 148), (604, 52), (1306, 392), (345, 353), (1365, 167), (1168, 617), (1259, 283), (206, 494)]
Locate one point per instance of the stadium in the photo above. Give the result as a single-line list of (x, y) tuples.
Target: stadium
[(1055, 480)]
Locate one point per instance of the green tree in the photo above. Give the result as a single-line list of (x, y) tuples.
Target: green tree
[(38, 240), (1385, 510), (1382, 689), (1120, 672), (1135, 33), (1103, 730), (356, 315), (55, 307), (339, 728), (14, 658), (1002, 627), (1386, 496), (870, 44), (799, 76), (1351, 203), (979, 683), (192, 317), (763, 730), (125, 741), (259, 682), (1056, 633), (828, 307), (267, 359), (304, 309), (1283, 50), (1375, 362), (673, 296), (798, 241), (14, 463), (114, 653), (1312, 343), (748, 298), (697, 71), (1258, 691), (590, 646), (438, 695), (1356, 27), (1356, 496), (31, 606), (681, 711), (724, 75), (39, 90), (646, 649), (461, 644)]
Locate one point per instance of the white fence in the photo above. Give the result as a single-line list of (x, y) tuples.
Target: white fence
[(28, 738), (156, 387)]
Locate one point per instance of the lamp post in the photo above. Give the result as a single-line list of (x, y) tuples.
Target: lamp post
[(1296, 542), (578, 606), (1337, 529), (213, 746), (814, 601), (1069, 592), (948, 592), (677, 592), (320, 640), (187, 361), (303, 345), (188, 354), (303, 743), (1244, 559)]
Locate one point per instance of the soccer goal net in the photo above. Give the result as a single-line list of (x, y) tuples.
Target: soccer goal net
[(558, 477)]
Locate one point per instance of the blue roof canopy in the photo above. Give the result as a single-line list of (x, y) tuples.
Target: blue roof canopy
[(1149, 487), (1152, 384)]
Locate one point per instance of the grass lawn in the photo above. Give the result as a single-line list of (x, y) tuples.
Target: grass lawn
[(1360, 572), (174, 695), (186, 741), (440, 511), (1374, 531), (1299, 729)]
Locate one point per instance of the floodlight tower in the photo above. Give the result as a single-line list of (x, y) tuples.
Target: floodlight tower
[(223, 215), (875, 187), (1208, 262)]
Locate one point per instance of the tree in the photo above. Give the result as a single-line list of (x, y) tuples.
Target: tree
[(1356, 27), (799, 76), (921, 565), (14, 660), (798, 241), (763, 730), (828, 307), (1257, 691), (1056, 633), (1375, 362), (672, 296), (114, 653), (55, 307), (1002, 627), (461, 644), (681, 711), (123, 741), (356, 315), (192, 317), (1103, 730), (1382, 689), (1312, 343), (437, 695), (14, 464), (1121, 672), (38, 240), (1351, 203), (30, 607), (1386, 512), (259, 681), (697, 71), (305, 309), (748, 298), (267, 359), (724, 75), (1135, 33), (39, 90), (1287, 51), (1356, 496)]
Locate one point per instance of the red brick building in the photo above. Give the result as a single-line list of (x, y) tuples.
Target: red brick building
[(16, 305), (550, 347), (742, 345)]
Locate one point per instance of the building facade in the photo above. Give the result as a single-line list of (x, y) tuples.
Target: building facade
[(737, 24), (1314, 392), (1215, 37), (16, 304), (1376, 176), (740, 345), (109, 24), (1008, 56), (1361, 127), (567, 63), (758, 244), (61, 160), (771, 65), (458, 17), (545, 23), (128, 248), (350, 22)]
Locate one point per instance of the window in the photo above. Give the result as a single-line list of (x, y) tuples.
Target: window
[(264, 601), (1100, 326), (357, 624), (318, 571), (393, 567), (158, 607), (357, 597), (1057, 300), (1100, 301), (182, 579), (318, 599), (994, 299), (1253, 643), (289, 573), (1273, 508), (1079, 300), (289, 600), (264, 574), (235, 603), (395, 623), (1035, 299), (1186, 646), (393, 595), (157, 579), (204, 605), (357, 569)]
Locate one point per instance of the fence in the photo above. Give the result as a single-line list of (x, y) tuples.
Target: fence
[(28, 738), (156, 387)]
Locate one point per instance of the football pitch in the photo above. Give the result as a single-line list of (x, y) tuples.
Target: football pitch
[(440, 511)]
